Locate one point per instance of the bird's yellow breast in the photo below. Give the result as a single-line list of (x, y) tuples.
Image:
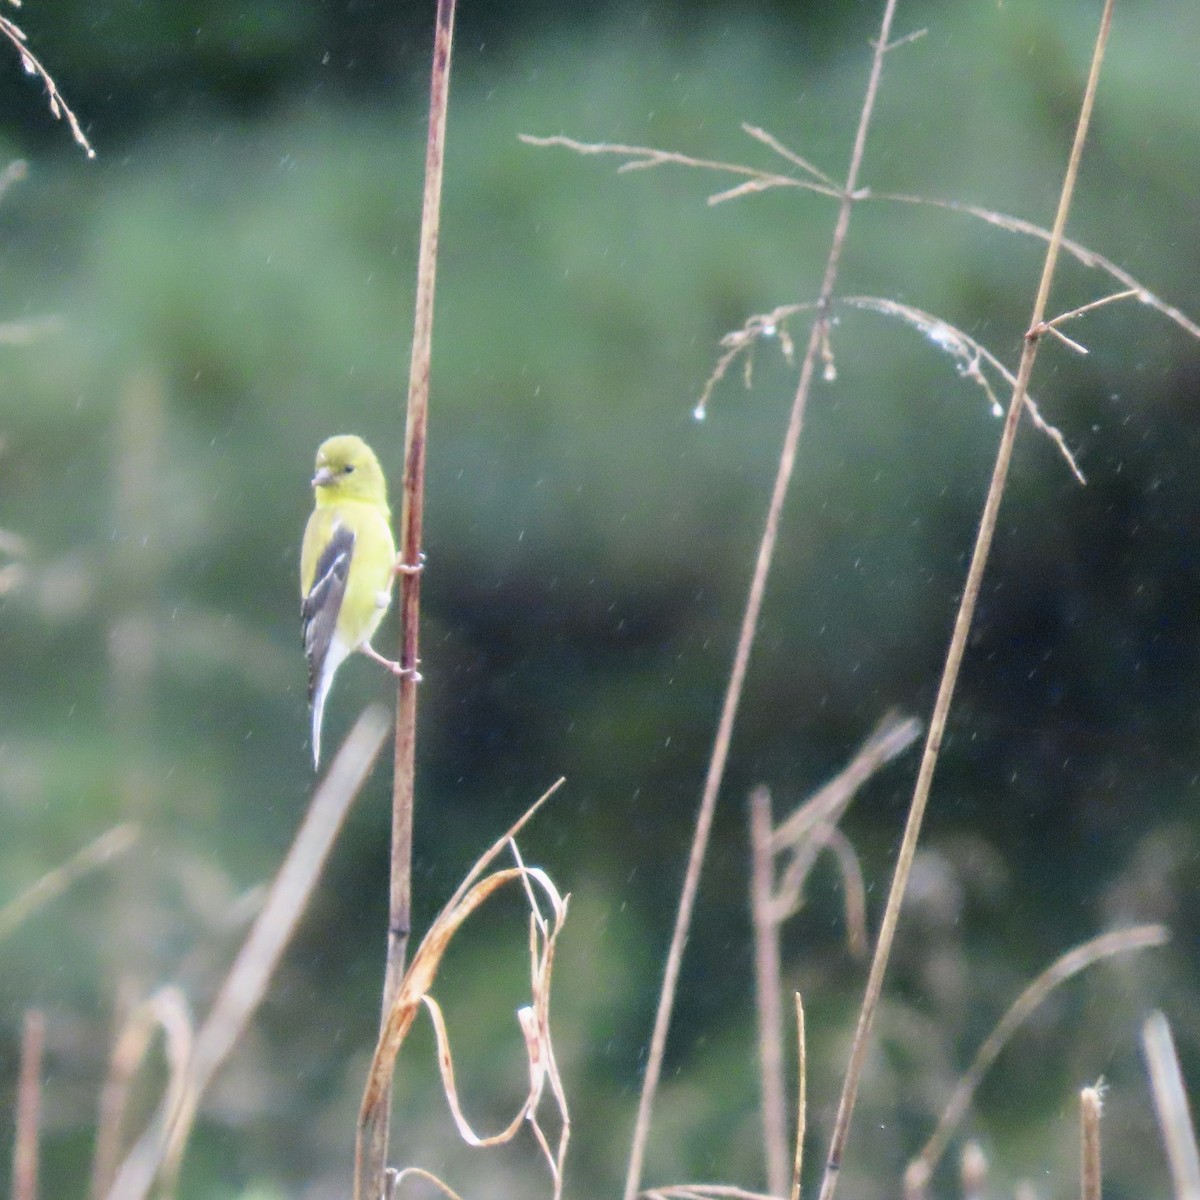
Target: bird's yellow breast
[(368, 584)]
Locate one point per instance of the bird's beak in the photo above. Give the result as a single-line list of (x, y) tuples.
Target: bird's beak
[(323, 477)]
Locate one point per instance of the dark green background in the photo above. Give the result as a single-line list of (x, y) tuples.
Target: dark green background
[(233, 281)]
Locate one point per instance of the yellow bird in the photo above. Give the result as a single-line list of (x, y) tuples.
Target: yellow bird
[(348, 565)]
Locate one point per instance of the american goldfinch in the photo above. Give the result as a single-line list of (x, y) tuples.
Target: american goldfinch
[(347, 566)]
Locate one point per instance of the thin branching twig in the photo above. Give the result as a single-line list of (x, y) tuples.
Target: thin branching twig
[(958, 642), (761, 181), (640, 157), (1082, 254), (970, 355)]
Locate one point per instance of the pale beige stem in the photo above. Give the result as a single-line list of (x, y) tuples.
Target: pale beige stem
[(29, 1108), (768, 985), (1171, 1105), (1089, 1144)]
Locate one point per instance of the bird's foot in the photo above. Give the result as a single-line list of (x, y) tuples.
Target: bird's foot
[(400, 567), (394, 667)]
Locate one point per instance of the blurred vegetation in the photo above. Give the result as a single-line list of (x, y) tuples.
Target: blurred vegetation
[(231, 282)]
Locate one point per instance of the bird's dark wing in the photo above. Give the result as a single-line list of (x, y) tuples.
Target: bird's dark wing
[(319, 609)]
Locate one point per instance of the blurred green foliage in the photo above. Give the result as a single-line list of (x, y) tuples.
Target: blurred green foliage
[(232, 282)]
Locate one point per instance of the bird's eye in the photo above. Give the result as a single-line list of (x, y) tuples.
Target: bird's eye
[(348, 468)]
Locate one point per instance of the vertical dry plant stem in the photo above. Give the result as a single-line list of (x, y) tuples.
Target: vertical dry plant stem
[(767, 988), (749, 627), (801, 1097), (29, 1107), (412, 512), (1089, 1144), (958, 640), (1171, 1105)]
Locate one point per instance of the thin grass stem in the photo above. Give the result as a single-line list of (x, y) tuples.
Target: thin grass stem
[(801, 1097), (1089, 1143), (768, 986), (29, 1107), (958, 641), (412, 513), (749, 629)]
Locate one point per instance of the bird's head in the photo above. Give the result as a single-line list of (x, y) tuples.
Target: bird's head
[(347, 469)]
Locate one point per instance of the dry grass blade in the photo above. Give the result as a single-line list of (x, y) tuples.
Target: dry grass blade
[(398, 1177), (101, 852), (370, 1154), (58, 106), (161, 1147), (535, 1024), (535, 1027), (1089, 1143), (1171, 1107), (958, 640), (1122, 941), (29, 1107), (167, 1010), (507, 839)]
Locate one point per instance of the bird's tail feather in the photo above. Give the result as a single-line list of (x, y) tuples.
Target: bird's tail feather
[(318, 711), (333, 659)]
